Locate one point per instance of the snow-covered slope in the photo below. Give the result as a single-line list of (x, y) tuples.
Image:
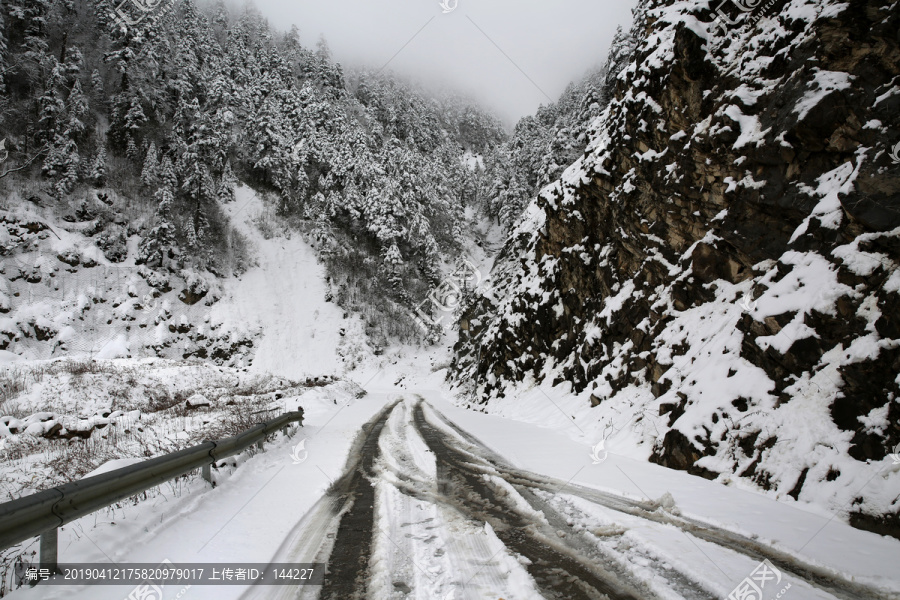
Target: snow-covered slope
[(285, 298), (62, 296), (714, 284)]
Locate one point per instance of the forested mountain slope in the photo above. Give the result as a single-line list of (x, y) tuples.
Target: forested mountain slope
[(138, 135), (544, 144), (717, 273)]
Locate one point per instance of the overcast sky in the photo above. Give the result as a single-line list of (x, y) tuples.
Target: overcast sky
[(511, 54)]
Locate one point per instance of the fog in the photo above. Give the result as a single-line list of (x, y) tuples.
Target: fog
[(510, 55)]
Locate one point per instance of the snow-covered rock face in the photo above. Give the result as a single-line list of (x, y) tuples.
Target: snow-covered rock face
[(61, 296), (722, 261)]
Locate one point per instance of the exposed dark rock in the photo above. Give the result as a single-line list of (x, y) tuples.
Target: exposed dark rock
[(69, 257), (679, 453), (881, 524), (191, 297)]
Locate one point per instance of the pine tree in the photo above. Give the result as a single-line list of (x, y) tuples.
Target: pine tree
[(392, 257), (97, 175), (167, 176), (512, 200), (392, 261), (51, 104), (158, 248), (77, 108), (227, 184), (97, 84), (201, 227), (150, 172), (67, 182), (220, 15), (131, 150), (135, 117), (622, 49), (195, 145), (65, 128), (28, 22), (189, 230), (323, 52)]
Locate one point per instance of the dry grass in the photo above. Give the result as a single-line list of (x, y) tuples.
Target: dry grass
[(26, 556), (82, 367), (14, 381)]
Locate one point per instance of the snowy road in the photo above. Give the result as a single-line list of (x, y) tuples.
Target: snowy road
[(401, 501), (426, 511)]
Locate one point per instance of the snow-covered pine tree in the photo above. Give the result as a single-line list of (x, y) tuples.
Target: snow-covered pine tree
[(64, 124), (134, 117), (51, 103), (188, 228), (167, 176), (227, 183), (97, 176), (158, 248), (512, 198), (150, 172), (131, 149), (97, 86), (220, 16), (392, 261), (323, 52)]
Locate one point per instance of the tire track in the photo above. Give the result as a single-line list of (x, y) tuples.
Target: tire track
[(558, 571), (348, 564), (462, 558), (819, 577)]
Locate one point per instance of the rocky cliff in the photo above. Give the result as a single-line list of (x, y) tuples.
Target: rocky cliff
[(721, 263)]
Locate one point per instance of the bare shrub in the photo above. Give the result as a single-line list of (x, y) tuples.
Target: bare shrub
[(13, 560), (12, 383), (83, 367), (160, 399)]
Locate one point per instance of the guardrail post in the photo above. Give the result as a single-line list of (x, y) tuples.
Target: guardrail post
[(261, 445), (49, 549), (206, 472)]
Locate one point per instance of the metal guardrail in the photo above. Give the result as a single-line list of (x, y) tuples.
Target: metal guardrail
[(42, 513)]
